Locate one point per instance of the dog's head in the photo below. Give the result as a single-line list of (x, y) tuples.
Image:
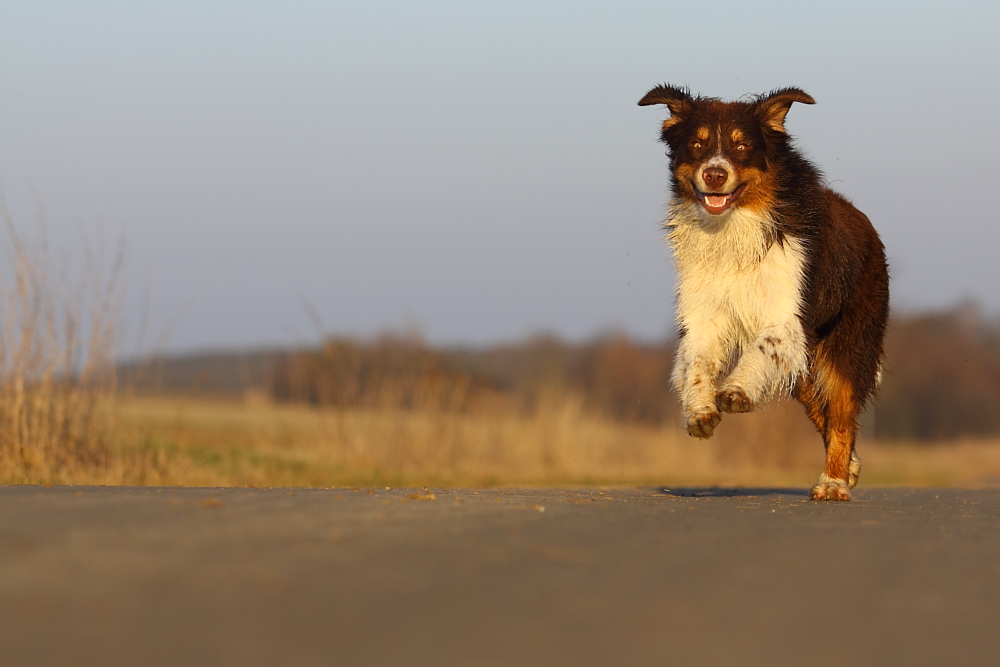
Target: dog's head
[(722, 154)]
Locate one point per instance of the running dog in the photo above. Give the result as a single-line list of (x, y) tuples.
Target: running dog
[(782, 282)]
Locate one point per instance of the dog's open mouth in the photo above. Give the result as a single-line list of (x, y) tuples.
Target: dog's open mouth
[(716, 203)]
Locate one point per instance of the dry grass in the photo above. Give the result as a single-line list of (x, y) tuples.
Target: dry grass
[(229, 443), (58, 340), (64, 419)]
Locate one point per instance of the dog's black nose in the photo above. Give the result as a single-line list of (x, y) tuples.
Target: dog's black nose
[(714, 177)]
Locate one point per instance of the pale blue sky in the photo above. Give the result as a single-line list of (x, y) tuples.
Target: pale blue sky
[(478, 169)]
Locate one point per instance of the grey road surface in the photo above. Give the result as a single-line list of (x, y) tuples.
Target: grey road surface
[(164, 576)]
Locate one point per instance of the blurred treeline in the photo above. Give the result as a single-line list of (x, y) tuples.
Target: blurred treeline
[(941, 381), (615, 376), (942, 378)]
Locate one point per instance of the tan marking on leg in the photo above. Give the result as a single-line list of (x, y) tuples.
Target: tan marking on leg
[(834, 410), (806, 394), (841, 411)]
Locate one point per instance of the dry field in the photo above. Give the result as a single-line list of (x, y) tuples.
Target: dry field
[(201, 442), (393, 412)]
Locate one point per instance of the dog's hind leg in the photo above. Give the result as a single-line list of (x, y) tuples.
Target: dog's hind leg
[(841, 430), (831, 405), (855, 470)]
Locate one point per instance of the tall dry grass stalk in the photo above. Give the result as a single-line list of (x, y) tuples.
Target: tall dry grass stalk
[(59, 338)]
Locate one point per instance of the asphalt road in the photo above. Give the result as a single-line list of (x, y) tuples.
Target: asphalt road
[(148, 576)]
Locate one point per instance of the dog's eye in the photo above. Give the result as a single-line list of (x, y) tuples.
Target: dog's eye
[(695, 144), (741, 147)]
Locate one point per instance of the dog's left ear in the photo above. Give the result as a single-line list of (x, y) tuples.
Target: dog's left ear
[(774, 106)]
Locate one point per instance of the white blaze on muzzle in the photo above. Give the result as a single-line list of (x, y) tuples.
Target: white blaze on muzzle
[(718, 162)]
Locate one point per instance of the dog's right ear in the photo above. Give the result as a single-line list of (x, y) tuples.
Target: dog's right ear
[(678, 100)]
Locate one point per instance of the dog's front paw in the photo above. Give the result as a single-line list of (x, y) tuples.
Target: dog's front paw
[(733, 400), (830, 489), (702, 424)]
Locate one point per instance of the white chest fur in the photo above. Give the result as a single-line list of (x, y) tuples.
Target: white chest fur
[(739, 296)]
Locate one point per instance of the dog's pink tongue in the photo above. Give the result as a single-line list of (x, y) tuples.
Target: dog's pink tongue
[(716, 201)]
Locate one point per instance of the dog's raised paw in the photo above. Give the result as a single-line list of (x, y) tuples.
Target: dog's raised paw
[(702, 424), (830, 490), (733, 400)]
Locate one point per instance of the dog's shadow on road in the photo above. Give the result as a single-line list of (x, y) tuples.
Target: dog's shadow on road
[(729, 492)]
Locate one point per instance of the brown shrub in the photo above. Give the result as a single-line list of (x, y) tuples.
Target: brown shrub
[(397, 371)]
